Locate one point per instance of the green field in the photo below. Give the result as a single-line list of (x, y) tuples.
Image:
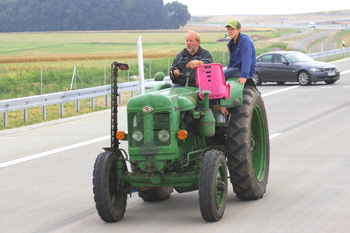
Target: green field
[(29, 44), (94, 42)]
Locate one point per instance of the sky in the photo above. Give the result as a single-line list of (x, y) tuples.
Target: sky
[(267, 7)]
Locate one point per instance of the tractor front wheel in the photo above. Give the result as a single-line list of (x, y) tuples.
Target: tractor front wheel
[(213, 185), (109, 190)]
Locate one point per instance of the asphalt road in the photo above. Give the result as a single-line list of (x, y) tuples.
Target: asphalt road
[(303, 42), (46, 173)]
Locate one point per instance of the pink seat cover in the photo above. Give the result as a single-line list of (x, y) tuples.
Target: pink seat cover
[(210, 77)]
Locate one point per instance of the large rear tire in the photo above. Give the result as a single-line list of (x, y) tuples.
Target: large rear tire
[(248, 147), (213, 185), (109, 190)]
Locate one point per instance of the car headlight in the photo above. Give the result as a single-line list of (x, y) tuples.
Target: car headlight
[(137, 135), (316, 69), (163, 135)]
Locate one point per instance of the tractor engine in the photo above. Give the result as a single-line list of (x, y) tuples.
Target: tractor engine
[(163, 127)]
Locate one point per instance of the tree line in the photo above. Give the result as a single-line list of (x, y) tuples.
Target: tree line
[(82, 15)]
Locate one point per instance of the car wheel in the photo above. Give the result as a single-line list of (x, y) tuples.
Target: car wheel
[(257, 80), (330, 81), (304, 78)]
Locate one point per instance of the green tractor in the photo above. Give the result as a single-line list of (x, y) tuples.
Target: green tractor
[(178, 140)]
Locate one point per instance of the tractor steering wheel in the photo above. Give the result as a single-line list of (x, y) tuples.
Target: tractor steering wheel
[(177, 66)]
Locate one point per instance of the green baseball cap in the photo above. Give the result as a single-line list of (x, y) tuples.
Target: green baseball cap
[(233, 24)]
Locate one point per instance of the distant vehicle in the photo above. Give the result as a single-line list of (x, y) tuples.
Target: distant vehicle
[(224, 38), (312, 25), (293, 66)]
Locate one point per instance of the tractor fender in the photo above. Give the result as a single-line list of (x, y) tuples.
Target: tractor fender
[(236, 93)]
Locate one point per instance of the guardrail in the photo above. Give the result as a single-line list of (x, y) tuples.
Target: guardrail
[(60, 98), (89, 93), (331, 55)]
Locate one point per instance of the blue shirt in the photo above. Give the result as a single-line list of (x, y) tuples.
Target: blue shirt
[(242, 55)]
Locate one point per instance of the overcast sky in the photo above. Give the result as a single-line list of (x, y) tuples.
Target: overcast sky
[(267, 7)]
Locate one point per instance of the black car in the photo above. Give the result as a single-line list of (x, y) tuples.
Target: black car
[(293, 66)]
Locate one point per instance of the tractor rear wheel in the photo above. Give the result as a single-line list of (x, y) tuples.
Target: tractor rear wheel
[(213, 185), (248, 147), (155, 194), (109, 190)]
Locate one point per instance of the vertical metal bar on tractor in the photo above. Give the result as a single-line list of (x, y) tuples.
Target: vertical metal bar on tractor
[(114, 105)]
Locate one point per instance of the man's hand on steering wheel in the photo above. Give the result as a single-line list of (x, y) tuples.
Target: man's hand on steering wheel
[(192, 64), (176, 73)]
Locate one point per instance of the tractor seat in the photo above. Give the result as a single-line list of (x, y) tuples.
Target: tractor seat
[(210, 77)]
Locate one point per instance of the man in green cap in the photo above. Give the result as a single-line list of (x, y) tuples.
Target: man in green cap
[(242, 61)]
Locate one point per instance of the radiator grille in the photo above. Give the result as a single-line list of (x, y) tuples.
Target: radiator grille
[(161, 121), (137, 121), (329, 69)]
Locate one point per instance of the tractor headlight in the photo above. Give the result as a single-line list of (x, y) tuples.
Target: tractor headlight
[(137, 135), (163, 135)]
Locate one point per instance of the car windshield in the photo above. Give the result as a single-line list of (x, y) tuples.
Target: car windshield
[(299, 57)]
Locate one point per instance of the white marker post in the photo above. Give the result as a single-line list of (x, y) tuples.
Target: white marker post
[(140, 61)]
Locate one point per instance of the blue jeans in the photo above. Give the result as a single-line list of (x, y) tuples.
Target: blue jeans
[(232, 73)]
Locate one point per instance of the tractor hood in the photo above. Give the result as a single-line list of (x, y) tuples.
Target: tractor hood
[(170, 99)]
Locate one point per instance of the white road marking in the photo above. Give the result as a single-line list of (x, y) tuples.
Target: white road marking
[(279, 91), (274, 135), (54, 151)]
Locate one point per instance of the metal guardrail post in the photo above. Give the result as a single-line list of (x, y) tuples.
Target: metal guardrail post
[(92, 103), (25, 115), (77, 105), (120, 98), (43, 111), (4, 119), (106, 100), (61, 109)]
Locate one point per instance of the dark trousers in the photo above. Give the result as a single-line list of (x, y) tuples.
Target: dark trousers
[(232, 73)]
